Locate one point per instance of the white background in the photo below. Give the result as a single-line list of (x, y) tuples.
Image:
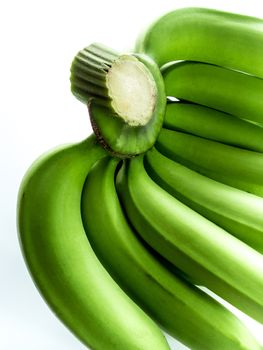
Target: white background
[(38, 41)]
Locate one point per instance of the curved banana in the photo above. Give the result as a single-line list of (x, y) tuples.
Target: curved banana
[(233, 166), (206, 35), (201, 249), (214, 125), (62, 263), (238, 212), (216, 87), (183, 310)]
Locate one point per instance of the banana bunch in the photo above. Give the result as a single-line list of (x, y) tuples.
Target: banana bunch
[(118, 233)]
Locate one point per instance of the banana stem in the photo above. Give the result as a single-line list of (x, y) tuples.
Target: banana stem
[(120, 81)]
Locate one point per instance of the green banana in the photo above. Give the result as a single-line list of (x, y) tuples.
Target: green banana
[(203, 250), (62, 263), (183, 310), (238, 212), (206, 35), (233, 166), (212, 124), (216, 87)]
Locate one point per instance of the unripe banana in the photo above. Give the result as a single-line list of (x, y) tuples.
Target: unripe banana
[(206, 35), (62, 263), (233, 166), (238, 212), (214, 125), (183, 310), (201, 249), (216, 87)]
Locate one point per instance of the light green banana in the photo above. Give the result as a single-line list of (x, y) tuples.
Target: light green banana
[(233, 166), (203, 250), (214, 125), (183, 310), (206, 35), (62, 263), (216, 87), (238, 212)]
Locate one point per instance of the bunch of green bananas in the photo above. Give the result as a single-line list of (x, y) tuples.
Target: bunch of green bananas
[(119, 248)]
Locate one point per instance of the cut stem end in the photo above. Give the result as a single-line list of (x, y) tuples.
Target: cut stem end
[(121, 81)]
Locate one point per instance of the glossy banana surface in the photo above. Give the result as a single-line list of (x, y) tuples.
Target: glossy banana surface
[(206, 35), (62, 263), (200, 248), (238, 212), (233, 166), (214, 125), (216, 87), (179, 307)]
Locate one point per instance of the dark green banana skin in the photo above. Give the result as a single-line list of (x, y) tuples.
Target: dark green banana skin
[(206, 35), (216, 87), (62, 263), (214, 125), (179, 307), (238, 212), (198, 247), (233, 166)]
